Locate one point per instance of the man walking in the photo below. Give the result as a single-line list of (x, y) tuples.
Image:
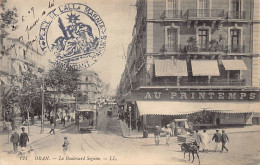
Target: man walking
[(224, 139), (15, 140), (52, 129), (23, 138), (168, 133), (205, 140), (217, 137), (157, 135)]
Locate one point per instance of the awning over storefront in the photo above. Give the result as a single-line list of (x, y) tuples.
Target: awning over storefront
[(205, 68), (170, 68), (234, 65), (4, 80), (179, 108)]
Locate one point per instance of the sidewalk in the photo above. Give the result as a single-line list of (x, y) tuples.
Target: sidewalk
[(35, 131), (136, 134)]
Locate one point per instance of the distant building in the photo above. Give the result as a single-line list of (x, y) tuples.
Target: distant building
[(186, 52)]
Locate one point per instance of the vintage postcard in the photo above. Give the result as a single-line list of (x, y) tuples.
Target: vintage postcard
[(129, 82)]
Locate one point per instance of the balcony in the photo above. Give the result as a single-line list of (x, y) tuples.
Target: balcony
[(236, 15), (204, 13), (223, 82), (189, 48), (236, 49), (172, 14)]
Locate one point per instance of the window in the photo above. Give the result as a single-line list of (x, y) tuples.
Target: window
[(203, 8), (235, 9), (86, 79), (203, 38), (235, 40), (172, 7), (172, 39)]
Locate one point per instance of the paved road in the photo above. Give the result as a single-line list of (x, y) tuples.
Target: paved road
[(107, 146)]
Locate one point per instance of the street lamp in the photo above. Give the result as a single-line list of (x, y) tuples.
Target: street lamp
[(130, 127), (42, 121)]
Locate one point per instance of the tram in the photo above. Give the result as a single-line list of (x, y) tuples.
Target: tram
[(86, 118)]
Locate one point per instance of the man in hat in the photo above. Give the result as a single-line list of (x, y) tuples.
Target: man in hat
[(224, 139), (23, 138), (197, 138), (157, 135), (15, 140), (217, 137)]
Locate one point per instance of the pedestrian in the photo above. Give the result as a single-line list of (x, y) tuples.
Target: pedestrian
[(205, 140), (224, 139), (52, 129), (172, 128), (23, 138), (168, 133), (63, 121), (157, 135), (197, 138), (15, 140), (138, 125), (65, 145), (217, 137)]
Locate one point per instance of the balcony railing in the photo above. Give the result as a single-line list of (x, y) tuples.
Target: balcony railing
[(172, 14), (188, 48), (205, 13), (236, 15), (213, 83), (236, 49)]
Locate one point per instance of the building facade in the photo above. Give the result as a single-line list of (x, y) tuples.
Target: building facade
[(194, 45)]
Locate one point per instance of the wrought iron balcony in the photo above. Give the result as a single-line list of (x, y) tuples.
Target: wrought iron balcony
[(236, 15), (172, 14), (204, 13), (236, 49), (189, 48)]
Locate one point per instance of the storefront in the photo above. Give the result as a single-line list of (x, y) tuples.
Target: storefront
[(203, 107)]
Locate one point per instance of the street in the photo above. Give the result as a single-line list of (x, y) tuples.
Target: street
[(106, 145)]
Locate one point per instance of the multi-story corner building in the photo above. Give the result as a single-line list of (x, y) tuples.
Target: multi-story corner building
[(90, 86), (186, 52)]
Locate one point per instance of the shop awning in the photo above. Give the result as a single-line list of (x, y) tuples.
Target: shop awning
[(4, 80), (234, 65), (170, 67), (205, 68), (179, 108)]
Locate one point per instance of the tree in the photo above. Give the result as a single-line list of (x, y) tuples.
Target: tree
[(61, 79), (8, 21)]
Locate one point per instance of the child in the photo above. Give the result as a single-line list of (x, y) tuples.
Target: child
[(65, 145)]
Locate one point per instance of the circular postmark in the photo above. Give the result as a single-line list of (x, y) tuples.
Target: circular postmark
[(74, 34)]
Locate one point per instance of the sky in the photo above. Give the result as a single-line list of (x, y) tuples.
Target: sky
[(118, 17)]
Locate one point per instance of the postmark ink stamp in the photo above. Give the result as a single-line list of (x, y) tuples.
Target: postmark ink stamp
[(74, 34)]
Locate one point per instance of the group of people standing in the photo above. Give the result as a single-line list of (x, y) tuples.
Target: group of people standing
[(203, 140), (19, 140)]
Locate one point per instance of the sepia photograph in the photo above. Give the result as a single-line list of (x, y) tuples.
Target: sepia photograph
[(130, 82)]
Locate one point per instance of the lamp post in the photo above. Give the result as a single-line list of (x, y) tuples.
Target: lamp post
[(42, 121), (130, 114)]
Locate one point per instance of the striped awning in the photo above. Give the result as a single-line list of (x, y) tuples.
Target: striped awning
[(205, 68), (182, 108), (234, 65), (170, 67)]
